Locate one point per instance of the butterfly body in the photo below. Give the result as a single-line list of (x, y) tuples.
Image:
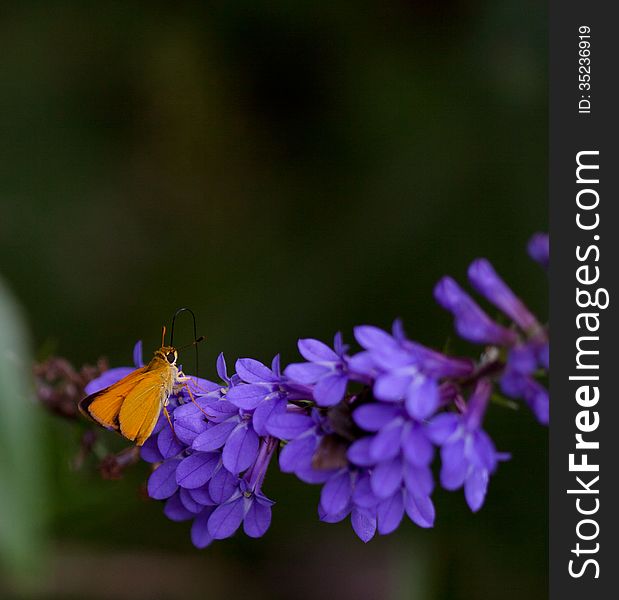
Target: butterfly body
[(132, 405)]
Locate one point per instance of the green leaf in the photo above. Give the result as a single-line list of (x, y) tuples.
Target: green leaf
[(23, 504)]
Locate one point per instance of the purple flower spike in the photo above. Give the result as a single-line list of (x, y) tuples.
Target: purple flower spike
[(364, 425), (539, 249), (472, 323), (486, 281)]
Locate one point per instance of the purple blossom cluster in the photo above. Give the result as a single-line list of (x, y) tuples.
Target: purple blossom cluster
[(524, 342), (365, 425), (211, 463)]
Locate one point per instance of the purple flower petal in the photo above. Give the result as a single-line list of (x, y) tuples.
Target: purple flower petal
[(162, 482), (257, 519), (195, 470), (482, 452), (137, 354), (454, 466), (188, 429), (543, 355), (265, 412), (363, 523), (248, 396), (200, 536), (222, 485), (297, 454), (330, 390), (386, 443), (536, 396), (241, 449), (214, 437), (336, 493), (513, 384), (306, 373), (253, 371), (190, 410), (475, 488), (316, 351), (199, 388), (422, 398), (539, 248), (149, 452), (417, 447), (189, 502), (394, 357), (161, 423), (442, 427), (370, 337), (363, 495), (175, 510), (168, 443), (314, 476), (362, 364), (389, 513), (327, 517), (226, 519), (386, 477), (522, 359), (488, 283), (338, 344), (287, 426), (392, 387), (218, 410), (359, 452), (436, 365), (373, 416), (276, 367), (202, 496), (418, 480), (471, 322), (222, 370), (420, 510)]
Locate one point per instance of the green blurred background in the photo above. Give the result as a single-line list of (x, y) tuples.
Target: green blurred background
[(287, 169)]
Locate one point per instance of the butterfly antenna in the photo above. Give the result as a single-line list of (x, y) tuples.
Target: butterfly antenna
[(195, 332)]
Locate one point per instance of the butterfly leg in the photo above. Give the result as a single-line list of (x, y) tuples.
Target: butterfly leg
[(167, 416), (183, 379)]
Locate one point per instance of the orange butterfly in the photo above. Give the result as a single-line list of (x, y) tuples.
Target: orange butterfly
[(132, 405)]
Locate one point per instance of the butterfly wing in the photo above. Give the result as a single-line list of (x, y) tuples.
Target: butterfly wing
[(104, 406), (141, 408)]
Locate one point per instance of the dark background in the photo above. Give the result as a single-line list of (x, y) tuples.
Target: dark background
[(286, 169)]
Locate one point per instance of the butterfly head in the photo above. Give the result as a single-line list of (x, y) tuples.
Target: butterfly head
[(168, 353)]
